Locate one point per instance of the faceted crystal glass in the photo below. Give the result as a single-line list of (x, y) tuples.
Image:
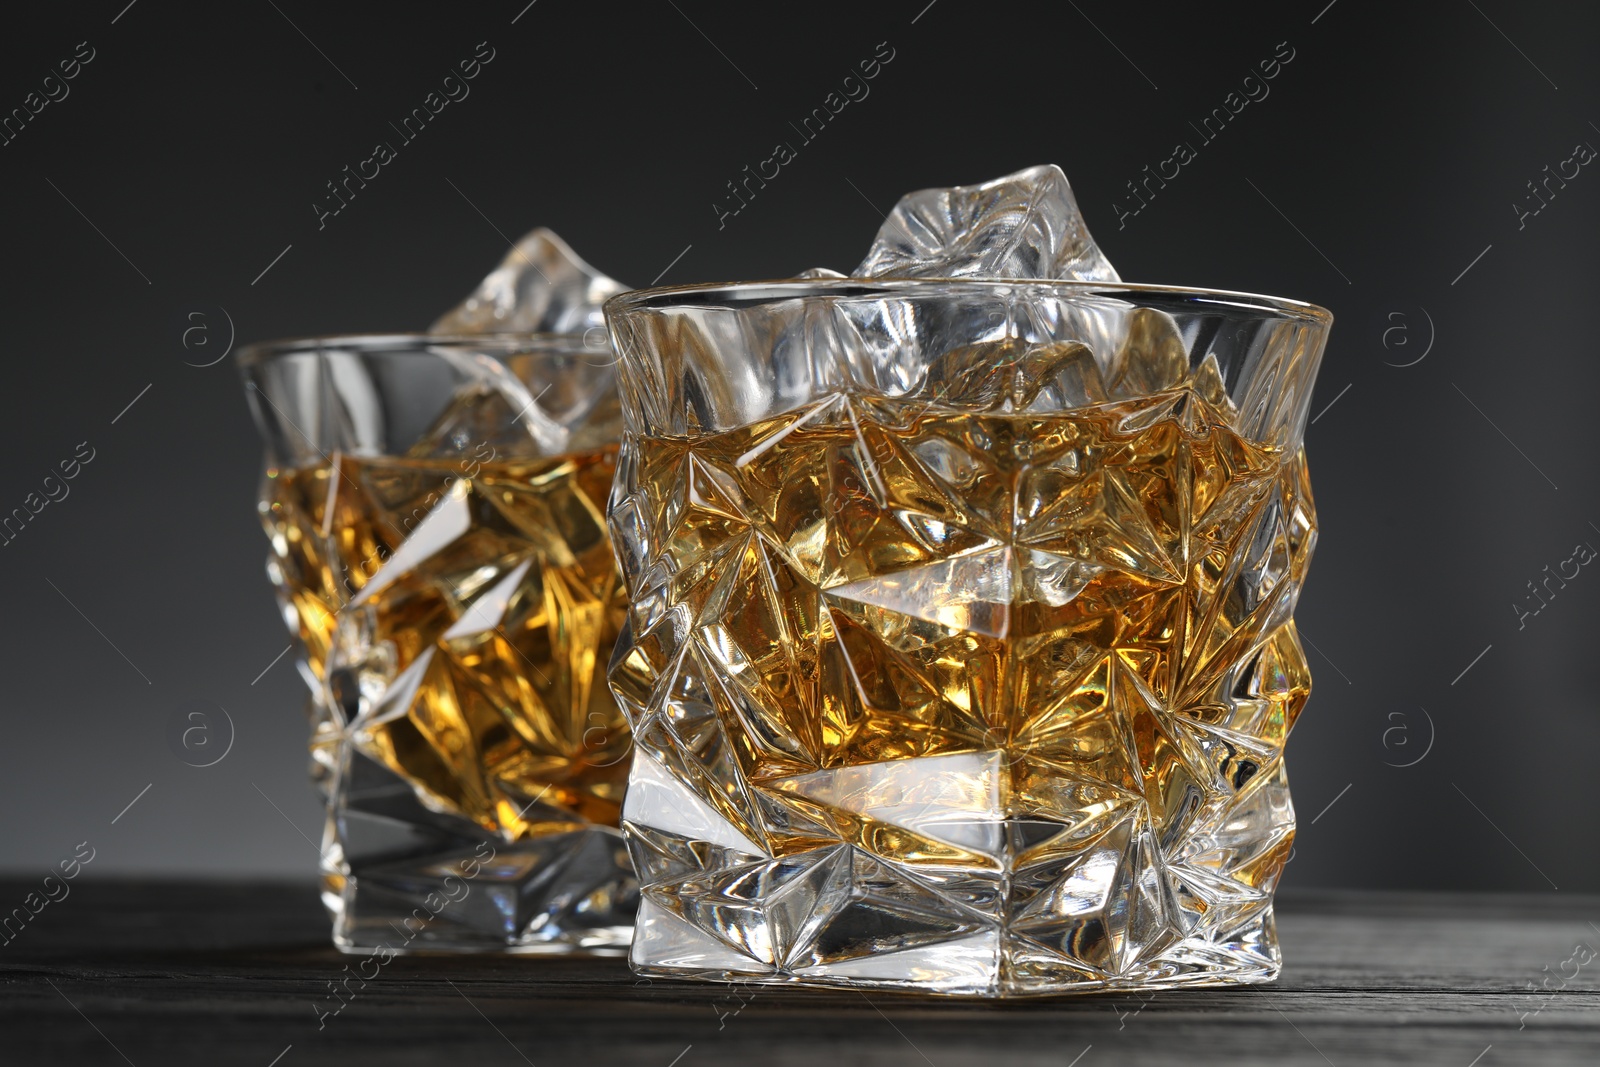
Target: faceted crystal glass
[(435, 512), (960, 655)]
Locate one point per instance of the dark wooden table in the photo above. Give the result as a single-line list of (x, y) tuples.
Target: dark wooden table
[(232, 974)]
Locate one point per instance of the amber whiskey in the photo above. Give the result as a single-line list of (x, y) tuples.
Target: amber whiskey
[(886, 580), (459, 613)]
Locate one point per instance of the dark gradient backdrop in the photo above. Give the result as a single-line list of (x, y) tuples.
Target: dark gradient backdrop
[(1382, 172)]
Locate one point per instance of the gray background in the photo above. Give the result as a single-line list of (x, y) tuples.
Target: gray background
[(1377, 179)]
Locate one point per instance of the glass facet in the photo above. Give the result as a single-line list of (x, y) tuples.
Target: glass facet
[(435, 511), (960, 655)]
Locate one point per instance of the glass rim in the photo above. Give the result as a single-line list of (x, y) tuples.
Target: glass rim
[(667, 296), (258, 352)]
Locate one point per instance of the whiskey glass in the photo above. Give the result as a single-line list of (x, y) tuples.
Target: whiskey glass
[(435, 509), (960, 654)]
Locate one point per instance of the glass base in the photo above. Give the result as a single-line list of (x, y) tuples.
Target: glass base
[(400, 878), (990, 964), (918, 878)]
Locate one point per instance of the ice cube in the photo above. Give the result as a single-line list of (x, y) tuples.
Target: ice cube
[(542, 286), (494, 413), (1025, 225), (1014, 375), (1152, 357)]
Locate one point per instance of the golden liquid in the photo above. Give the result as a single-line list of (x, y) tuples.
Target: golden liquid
[(507, 714), (885, 581)]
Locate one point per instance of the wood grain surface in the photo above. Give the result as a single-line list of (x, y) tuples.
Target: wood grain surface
[(222, 973)]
